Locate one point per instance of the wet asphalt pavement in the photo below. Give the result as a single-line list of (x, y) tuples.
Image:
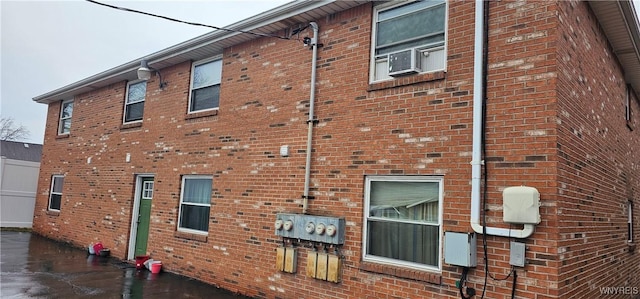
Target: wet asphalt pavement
[(35, 267)]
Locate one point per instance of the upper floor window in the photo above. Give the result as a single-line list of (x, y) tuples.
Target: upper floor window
[(627, 104), (134, 103), (408, 38), (205, 85), (402, 221), (66, 111), (195, 203), (630, 221), (55, 194)]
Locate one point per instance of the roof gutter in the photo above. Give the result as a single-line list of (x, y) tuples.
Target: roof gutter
[(631, 22), (619, 21), (630, 17)]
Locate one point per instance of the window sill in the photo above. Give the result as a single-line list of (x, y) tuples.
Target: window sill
[(201, 114), (53, 213), (130, 125), (191, 236), (396, 271), (65, 136), (407, 80)]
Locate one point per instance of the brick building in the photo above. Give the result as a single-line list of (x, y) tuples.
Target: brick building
[(410, 134)]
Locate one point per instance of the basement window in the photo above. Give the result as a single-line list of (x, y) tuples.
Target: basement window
[(134, 103), (66, 112), (402, 223), (205, 85), (195, 203), (55, 194)]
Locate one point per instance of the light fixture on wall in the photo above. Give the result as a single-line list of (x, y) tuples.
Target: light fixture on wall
[(144, 73)]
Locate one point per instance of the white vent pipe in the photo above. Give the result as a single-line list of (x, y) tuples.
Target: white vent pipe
[(476, 156)]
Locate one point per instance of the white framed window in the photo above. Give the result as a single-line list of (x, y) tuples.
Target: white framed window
[(195, 203), (630, 221), (418, 26), (66, 112), (147, 190), (206, 76), (403, 221), (55, 194), (134, 103)]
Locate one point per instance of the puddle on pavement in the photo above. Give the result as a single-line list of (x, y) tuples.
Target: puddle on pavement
[(36, 267)]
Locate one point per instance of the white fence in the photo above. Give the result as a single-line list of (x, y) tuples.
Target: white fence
[(18, 185)]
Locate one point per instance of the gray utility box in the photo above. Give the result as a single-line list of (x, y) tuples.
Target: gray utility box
[(517, 254), (323, 229), (460, 249)]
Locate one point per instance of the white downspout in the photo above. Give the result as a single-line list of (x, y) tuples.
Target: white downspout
[(311, 120), (476, 155)]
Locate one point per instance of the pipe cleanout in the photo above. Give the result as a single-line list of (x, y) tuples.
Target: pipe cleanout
[(311, 120), (476, 154)]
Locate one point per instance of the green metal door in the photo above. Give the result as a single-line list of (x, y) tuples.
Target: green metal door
[(144, 213)]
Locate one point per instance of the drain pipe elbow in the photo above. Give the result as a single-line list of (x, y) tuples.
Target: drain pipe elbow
[(523, 233)]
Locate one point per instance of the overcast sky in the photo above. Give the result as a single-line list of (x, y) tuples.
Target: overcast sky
[(49, 44)]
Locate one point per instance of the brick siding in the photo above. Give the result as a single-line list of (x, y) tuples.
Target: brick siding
[(555, 122)]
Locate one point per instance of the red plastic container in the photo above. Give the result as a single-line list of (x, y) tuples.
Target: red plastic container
[(140, 261), (156, 267), (97, 247)]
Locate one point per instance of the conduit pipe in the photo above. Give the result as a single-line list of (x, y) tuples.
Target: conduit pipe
[(311, 120), (478, 118)]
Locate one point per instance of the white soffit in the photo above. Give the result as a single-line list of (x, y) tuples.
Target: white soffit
[(619, 21)]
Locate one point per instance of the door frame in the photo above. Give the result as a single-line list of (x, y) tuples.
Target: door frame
[(133, 233)]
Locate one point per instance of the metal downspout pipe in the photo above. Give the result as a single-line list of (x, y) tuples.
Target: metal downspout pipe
[(476, 155), (311, 120)]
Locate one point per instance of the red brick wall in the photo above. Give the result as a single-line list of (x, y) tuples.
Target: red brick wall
[(418, 125), (521, 136), (598, 161)]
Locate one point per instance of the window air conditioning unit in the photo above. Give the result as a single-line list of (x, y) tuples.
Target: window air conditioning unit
[(404, 62)]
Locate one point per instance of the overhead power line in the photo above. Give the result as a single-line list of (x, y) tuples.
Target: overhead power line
[(186, 22)]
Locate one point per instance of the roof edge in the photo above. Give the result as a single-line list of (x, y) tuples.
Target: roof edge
[(631, 21), (270, 16), (624, 16)]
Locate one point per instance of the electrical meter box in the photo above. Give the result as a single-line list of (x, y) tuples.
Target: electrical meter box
[(521, 205), (325, 229), (460, 249)]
